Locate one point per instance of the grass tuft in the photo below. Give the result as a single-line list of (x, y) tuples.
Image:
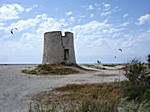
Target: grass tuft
[(70, 87)]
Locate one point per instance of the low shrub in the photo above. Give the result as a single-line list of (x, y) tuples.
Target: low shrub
[(134, 71)]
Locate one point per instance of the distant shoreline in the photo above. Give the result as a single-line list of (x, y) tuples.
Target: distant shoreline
[(41, 63)]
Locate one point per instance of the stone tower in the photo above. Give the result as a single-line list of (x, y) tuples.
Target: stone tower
[(58, 49)]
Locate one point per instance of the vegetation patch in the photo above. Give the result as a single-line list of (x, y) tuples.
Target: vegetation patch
[(106, 75), (100, 97), (126, 96), (48, 69), (81, 97)]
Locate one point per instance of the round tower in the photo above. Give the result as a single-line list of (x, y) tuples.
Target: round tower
[(58, 48)]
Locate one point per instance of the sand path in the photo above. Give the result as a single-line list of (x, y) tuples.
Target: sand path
[(16, 87)]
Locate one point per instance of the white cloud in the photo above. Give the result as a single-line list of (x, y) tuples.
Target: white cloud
[(144, 19), (125, 24), (26, 37), (97, 4), (36, 5), (92, 31), (91, 15), (90, 7), (26, 24), (72, 19), (2, 24), (106, 7), (105, 13), (10, 11), (69, 13), (31, 8), (52, 23), (125, 15), (94, 37), (33, 28), (44, 24), (29, 43), (101, 38)]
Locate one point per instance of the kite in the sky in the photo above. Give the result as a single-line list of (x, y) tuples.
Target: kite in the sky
[(12, 30), (120, 50)]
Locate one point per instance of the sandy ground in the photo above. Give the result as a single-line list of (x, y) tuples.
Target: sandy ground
[(16, 87)]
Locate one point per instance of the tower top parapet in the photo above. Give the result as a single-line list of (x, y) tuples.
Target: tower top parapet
[(58, 34)]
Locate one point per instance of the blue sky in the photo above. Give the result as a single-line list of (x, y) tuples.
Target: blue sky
[(100, 27)]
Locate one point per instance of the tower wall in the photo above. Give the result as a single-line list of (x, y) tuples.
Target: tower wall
[(55, 47)]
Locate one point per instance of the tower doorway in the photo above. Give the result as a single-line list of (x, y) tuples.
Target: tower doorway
[(66, 54)]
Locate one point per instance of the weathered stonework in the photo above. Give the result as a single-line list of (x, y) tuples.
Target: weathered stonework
[(58, 48)]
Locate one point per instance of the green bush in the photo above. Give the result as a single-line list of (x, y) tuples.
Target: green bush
[(56, 69), (138, 87), (137, 92), (134, 71)]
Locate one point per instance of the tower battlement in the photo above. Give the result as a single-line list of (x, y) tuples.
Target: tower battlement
[(58, 34)]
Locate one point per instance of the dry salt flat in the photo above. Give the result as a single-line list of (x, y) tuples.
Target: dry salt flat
[(16, 87)]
